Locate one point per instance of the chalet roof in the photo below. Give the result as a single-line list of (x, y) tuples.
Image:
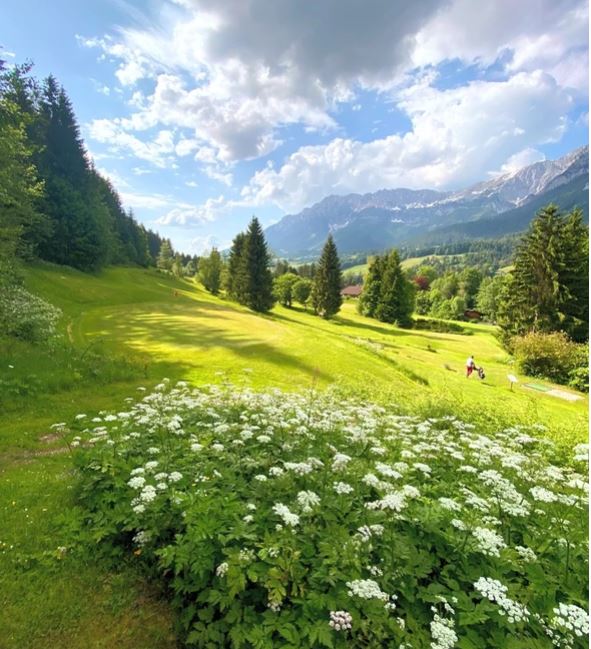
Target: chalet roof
[(352, 291)]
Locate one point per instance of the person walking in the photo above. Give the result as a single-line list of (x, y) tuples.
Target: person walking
[(470, 365)]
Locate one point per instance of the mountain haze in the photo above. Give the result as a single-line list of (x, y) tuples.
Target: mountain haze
[(389, 217)]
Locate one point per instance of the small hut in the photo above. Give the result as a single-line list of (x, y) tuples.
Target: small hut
[(352, 291)]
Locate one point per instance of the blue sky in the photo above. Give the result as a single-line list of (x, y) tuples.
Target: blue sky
[(204, 112)]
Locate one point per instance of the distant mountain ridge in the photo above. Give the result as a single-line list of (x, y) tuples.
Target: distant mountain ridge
[(389, 217)]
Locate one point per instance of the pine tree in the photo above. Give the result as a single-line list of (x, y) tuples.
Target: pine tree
[(165, 256), (548, 288), (235, 284), (370, 298), (326, 292), (258, 289), (574, 276), (396, 302)]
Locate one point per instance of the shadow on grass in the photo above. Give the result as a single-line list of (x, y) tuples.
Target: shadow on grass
[(196, 330)]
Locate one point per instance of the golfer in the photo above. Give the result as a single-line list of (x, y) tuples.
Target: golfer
[(470, 365)]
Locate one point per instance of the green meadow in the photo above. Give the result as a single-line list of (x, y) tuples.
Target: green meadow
[(129, 328)]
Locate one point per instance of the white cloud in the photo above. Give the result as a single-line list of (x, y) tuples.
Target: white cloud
[(457, 136), (255, 67), (183, 214), (521, 159), (230, 76), (109, 132), (202, 244), (146, 201)]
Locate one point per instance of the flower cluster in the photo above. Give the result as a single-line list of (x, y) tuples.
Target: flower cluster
[(340, 620), (299, 508)]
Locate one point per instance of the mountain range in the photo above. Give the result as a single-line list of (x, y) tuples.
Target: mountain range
[(376, 221)]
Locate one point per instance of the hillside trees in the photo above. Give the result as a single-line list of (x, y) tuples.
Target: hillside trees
[(326, 291), (165, 256), (283, 288), (548, 288), (236, 277), (302, 290), (249, 278), (76, 217), (388, 295), (396, 301), (20, 187), (210, 271)]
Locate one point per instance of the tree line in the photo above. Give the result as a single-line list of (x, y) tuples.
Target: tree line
[(247, 275), (54, 204)]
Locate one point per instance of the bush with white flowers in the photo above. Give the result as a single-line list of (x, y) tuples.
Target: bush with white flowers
[(294, 521), (26, 316)]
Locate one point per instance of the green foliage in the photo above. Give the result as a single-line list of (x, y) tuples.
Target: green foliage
[(302, 290), (426, 324), (548, 289), (396, 301), (326, 291), (53, 202), (26, 316), (165, 256), (266, 513), (210, 271), (579, 378), (283, 288), (388, 295), (235, 279), (488, 299), (372, 289), (549, 355), (257, 278)]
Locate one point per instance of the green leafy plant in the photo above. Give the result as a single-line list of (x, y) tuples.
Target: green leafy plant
[(306, 520)]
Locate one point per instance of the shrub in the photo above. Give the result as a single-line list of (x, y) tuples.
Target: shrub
[(26, 316), (579, 379), (284, 521), (440, 326), (549, 355)]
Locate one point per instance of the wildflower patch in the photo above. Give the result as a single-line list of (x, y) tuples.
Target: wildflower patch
[(302, 520)]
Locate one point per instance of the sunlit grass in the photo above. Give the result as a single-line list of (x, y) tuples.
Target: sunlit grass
[(165, 327)]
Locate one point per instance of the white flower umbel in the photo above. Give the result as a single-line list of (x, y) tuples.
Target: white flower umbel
[(488, 541), (289, 518), (137, 482), (307, 500), (496, 592), (366, 589), (222, 569), (343, 488), (442, 632), (572, 618), (340, 620)]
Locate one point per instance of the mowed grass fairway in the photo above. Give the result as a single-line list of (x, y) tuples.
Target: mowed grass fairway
[(62, 598)]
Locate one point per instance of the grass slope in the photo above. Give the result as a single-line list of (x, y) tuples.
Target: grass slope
[(166, 327)]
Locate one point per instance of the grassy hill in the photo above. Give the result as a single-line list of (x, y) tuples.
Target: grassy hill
[(151, 326)]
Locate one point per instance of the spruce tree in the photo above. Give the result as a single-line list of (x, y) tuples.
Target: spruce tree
[(547, 290), (235, 284), (370, 298), (258, 278), (326, 292), (574, 275), (396, 301), (165, 256)]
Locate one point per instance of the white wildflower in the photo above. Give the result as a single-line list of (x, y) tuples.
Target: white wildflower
[(307, 500), (342, 488), (284, 512), (366, 589), (340, 620)]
